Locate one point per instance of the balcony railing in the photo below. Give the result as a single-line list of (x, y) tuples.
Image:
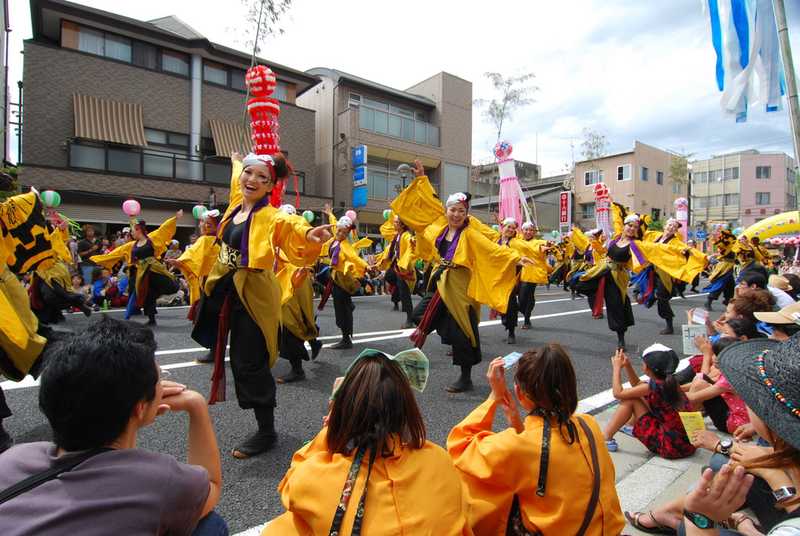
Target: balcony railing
[(123, 160)]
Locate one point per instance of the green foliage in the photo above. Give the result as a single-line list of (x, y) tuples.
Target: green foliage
[(262, 20), (679, 168), (7, 190), (656, 225), (594, 146)]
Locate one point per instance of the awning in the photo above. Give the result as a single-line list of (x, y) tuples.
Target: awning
[(229, 138), (398, 155), (107, 120)]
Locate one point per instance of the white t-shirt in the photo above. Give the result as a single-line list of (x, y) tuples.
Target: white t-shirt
[(782, 299)]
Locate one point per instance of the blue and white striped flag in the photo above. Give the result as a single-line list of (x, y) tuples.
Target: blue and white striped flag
[(745, 38)]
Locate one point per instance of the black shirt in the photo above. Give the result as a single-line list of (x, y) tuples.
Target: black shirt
[(619, 253), (142, 252), (86, 245), (233, 233)]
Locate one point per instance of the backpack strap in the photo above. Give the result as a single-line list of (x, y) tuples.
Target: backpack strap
[(595, 498), (61, 466)]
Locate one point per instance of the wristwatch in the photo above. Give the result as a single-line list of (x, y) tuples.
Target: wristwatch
[(699, 520), (725, 445), (784, 493)]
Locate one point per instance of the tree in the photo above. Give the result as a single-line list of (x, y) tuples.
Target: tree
[(593, 147), (514, 93), (8, 188), (679, 168), (262, 18)]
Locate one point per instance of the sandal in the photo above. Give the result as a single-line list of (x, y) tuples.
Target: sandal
[(633, 519)]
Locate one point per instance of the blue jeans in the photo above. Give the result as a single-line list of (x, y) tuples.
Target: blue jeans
[(211, 525), (86, 272)]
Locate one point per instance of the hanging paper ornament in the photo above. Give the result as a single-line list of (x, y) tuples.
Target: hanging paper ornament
[(351, 214), (198, 211), (308, 216), (131, 207), (602, 201), (263, 110), (51, 198), (503, 150), (386, 214)]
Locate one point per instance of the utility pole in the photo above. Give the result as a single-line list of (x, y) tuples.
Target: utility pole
[(789, 75)]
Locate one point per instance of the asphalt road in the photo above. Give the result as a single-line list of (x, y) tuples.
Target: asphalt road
[(249, 490)]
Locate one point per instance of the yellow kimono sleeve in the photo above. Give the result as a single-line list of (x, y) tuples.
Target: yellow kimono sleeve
[(163, 235), (418, 205), (59, 244), (362, 243), (118, 254), (349, 261), (407, 257), (332, 219), (25, 234), (617, 218), (494, 269), (580, 240), (426, 240), (485, 230), (235, 195), (199, 258), (289, 234), (382, 259), (599, 249), (535, 250), (670, 259), (388, 232)]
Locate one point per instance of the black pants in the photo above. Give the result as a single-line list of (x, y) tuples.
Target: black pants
[(404, 296), (255, 386), (509, 319), (55, 298), (527, 300), (464, 354), (343, 308), (5, 411), (663, 296), (292, 348)]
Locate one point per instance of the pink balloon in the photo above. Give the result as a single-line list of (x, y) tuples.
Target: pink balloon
[(131, 207), (351, 214)]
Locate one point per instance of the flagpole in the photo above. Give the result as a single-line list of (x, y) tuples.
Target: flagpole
[(789, 75)]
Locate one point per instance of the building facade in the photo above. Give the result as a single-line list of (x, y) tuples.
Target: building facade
[(118, 108), (430, 121), (638, 179), (485, 178), (742, 188)]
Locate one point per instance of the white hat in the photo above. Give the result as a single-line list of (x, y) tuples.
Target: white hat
[(126, 229), (632, 218), (456, 198), (594, 232), (253, 159), (529, 225), (211, 214), (288, 209), (509, 221), (344, 223)]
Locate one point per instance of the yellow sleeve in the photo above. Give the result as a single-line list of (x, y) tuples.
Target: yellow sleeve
[(494, 270), (407, 257), (579, 239), (235, 196), (362, 243), (599, 249), (480, 453), (349, 261), (652, 236), (59, 244), (618, 213), (418, 205), (332, 219), (163, 235), (318, 445), (289, 234), (388, 232), (426, 241), (485, 230), (25, 234), (121, 253), (670, 259), (382, 259), (199, 257)]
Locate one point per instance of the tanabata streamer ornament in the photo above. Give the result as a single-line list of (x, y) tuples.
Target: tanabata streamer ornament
[(682, 214), (308, 216), (199, 211), (602, 203), (512, 202)]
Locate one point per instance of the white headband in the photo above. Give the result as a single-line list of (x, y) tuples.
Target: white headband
[(455, 199), (211, 214), (253, 159), (633, 218), (528, 225), (288, 209), (509, 221), (594, 232), (657, 347), (344, 223)]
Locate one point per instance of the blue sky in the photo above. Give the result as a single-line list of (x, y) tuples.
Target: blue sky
[(630, 69)]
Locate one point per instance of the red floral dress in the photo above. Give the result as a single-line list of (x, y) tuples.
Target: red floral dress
[(661, 429)]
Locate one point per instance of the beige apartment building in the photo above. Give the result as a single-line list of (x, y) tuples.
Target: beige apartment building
[(430, 121), (638, 179)]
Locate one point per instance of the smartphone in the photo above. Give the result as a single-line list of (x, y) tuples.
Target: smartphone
[(511, 359)]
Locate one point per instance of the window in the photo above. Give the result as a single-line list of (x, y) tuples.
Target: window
[(763, 172), (366, 118), (731, 173), (118, 48), (676, 187), (592, 177), (394, 121), (383, 181), (145, 55), (659, 177), (624, 172), (175, 141), (762, 198), (587, 211), (395, 125), (731, 199), (644, 174), (175, 62), (301, 184), (237, 80), (91, 41), (87, 156), (215, 73), (715, 175), (381, 122), (355, 99), (124, 161)]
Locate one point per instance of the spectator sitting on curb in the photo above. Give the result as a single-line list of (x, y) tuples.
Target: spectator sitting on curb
[(98, 390)]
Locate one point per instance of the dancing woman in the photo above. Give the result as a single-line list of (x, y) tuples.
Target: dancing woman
[(398, 262), (721, 280), (242, 294), (148, 277), (534, 274), (468, 269)]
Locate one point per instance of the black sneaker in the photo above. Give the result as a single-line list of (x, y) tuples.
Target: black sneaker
[(316, 347), (667, 331), (512, 339), (460, 386), (344, 344), (293, 376), (256, 444), (208, 358)]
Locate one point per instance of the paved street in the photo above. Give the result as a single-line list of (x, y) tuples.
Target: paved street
[(249, 496)]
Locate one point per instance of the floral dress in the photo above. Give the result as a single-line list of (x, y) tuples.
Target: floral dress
[(661, 429)]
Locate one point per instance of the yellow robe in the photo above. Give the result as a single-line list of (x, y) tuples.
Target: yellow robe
[(297, 300), (413, 492), (496, 466), (350, 267), (405, 258), (160, 239), (26, 239), (196, 263)]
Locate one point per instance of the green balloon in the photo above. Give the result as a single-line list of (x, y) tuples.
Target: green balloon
[(308, 216), (386, 214), (496, 227), (198, 211), (51, 198)]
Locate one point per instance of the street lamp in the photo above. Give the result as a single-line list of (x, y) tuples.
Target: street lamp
[(689, 193), (404, 170)]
